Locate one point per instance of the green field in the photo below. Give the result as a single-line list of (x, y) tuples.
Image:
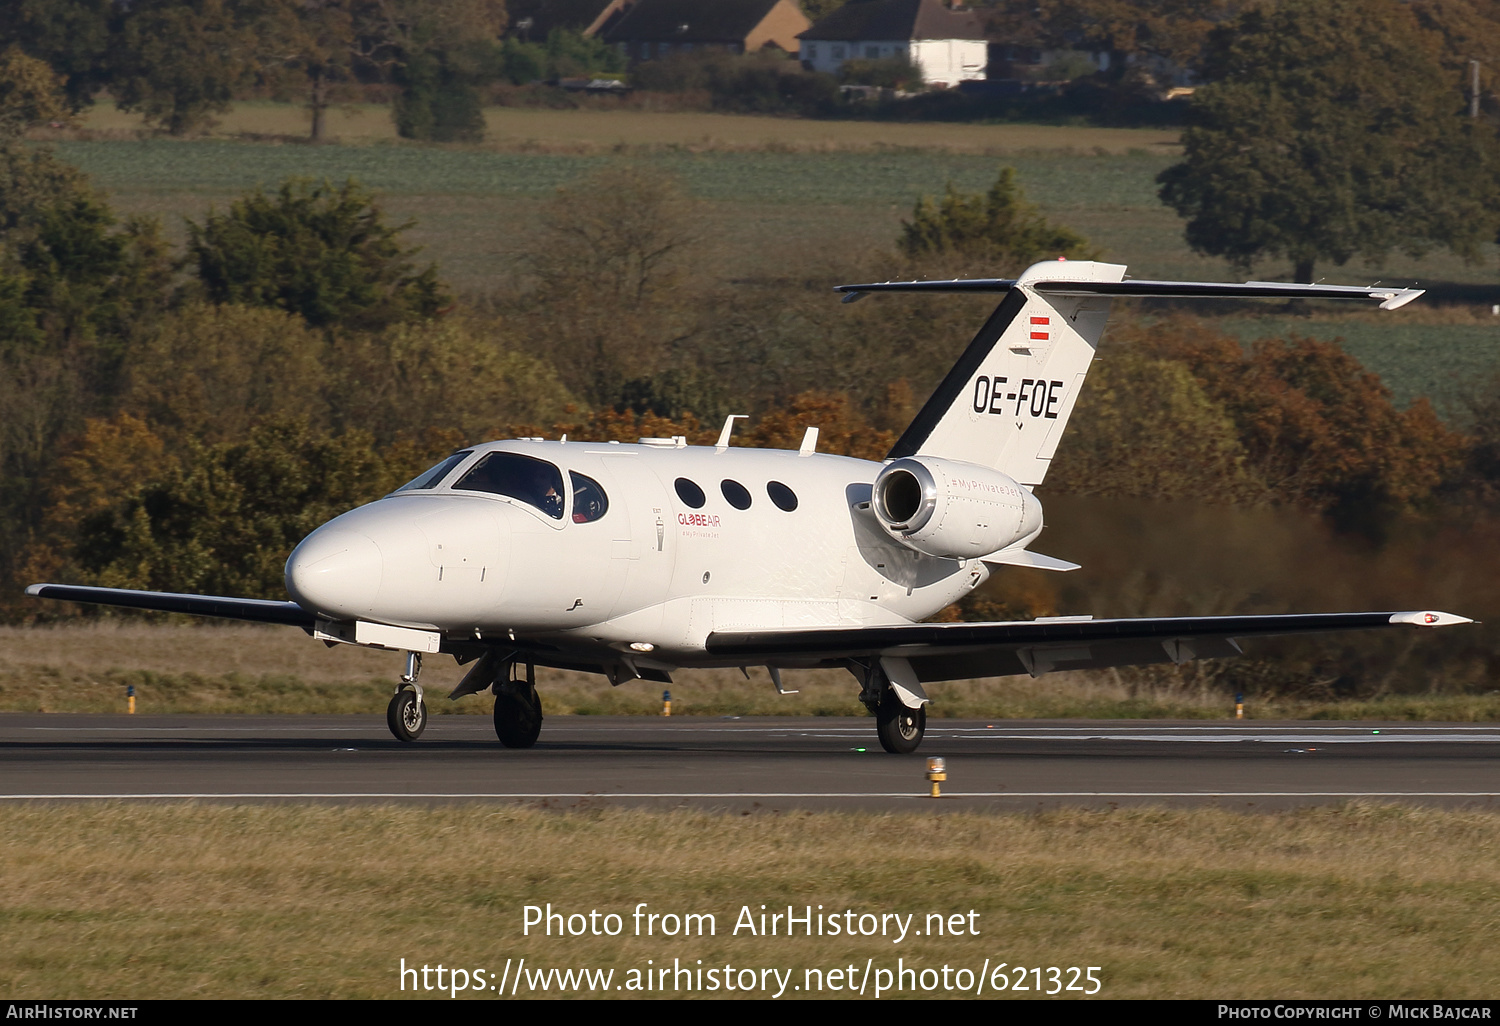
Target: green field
[(769, 194)]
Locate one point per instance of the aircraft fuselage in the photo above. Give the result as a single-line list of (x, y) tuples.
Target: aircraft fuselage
[(691, 539)]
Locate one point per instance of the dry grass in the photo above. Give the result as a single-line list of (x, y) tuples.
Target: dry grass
[(173, 901), (248, 669), (596, 131)]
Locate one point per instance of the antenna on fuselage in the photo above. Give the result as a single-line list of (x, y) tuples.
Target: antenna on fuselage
[(723, 442), (809, 442)]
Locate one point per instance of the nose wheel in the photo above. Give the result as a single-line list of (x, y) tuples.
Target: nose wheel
[(407, 713)]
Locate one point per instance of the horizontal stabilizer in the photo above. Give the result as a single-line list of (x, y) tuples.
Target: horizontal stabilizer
[(1021, 557), (1388, 297)]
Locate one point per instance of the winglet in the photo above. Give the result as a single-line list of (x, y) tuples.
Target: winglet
[(1429, 618)]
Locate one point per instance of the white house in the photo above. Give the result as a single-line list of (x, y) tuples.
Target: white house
[(947, 43)]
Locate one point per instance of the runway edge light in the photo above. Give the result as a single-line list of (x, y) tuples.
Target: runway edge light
[(937, 773)]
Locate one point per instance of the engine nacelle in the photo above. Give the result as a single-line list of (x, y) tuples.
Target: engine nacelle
[(953, 509)]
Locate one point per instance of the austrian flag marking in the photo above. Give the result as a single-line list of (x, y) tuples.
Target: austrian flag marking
[(1039, 326)]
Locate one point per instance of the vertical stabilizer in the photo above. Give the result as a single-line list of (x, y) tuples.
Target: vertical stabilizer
[(1006, 402)]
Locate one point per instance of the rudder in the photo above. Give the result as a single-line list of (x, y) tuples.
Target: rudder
[(1006, 402)]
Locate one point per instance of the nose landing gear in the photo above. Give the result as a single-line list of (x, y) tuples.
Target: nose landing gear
[(407, 713)]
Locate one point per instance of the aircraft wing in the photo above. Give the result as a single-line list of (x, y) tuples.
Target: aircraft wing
[(956, 651), (257, 610)]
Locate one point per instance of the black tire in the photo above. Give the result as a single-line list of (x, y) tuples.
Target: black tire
[(406, 715), (900, 728), (518, 715)]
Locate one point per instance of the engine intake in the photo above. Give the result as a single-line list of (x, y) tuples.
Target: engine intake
[(953, 509)]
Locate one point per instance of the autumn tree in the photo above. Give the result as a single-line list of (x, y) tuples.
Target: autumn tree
[(1318, 430), (317, 39), (31, 94), (611, 253), (178, 62), (322, 251), (437, 51), (1175, 31), (213, 373), (1144, 428), (999, 230), (1331, 129), (453, 374), (72, 36)]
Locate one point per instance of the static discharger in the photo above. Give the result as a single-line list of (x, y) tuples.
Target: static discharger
[(666, 703), (937, 772)]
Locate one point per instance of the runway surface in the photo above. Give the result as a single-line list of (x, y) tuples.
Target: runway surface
[(748, 764)]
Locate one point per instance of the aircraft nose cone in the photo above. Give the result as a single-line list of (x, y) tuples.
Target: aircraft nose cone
[(335, 572)]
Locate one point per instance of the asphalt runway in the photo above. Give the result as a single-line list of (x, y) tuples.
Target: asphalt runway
[(748, 764)]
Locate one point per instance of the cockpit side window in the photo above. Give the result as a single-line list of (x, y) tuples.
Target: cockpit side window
[(589, 501), (532, 481), (431, 478)]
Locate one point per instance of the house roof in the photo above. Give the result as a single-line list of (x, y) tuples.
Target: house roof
[(875, 20), (689, 21)]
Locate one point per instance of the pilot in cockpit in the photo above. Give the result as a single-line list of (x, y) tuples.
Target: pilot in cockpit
[(548, 501)]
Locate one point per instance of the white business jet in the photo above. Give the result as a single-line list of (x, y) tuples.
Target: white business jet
[(634, 560)]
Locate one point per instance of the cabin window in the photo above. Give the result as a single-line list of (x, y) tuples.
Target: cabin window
[(736, 494), (532, 481), (431, 478), (589, 501), (690, 493), (783, 496)]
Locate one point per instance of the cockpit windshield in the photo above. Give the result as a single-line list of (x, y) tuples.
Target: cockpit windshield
[(533, 481), (431, 478)]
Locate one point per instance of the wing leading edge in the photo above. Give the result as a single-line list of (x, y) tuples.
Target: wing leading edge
[(954, 651), (255, 610)]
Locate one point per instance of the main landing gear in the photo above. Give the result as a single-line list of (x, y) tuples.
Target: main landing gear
[(518, 710), (407, 713), (898, 725)]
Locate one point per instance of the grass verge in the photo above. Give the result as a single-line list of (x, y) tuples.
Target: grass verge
[(259, 670), (278, 901)]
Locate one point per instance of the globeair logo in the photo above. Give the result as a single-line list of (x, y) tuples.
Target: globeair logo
[(697, 520)]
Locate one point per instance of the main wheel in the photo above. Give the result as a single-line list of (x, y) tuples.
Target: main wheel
[(518, 715), (406, 715), (899, 726)]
